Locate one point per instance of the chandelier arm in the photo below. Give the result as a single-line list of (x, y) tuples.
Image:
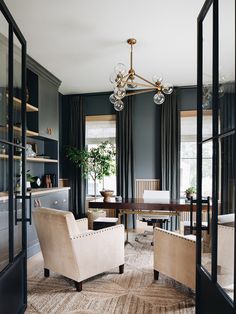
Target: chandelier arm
[(140, 92), (126, 77), (143, 79), (140, 84)]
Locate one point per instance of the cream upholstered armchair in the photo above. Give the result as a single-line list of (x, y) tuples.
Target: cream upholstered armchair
[(174, 256), (70, 249)]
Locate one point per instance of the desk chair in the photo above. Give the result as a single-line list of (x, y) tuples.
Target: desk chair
[(159, 218)]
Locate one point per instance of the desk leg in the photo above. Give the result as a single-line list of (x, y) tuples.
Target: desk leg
[(127, 229), (119, 216)]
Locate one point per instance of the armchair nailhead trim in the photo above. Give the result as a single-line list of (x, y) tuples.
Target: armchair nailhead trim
[(176, 235), (92, 233)]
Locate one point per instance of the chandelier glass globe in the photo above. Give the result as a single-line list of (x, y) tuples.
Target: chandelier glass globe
[(157, 78), (113, 77), (112, 98), (119, 92), (120, 68), (168, 88), (159, 98), (119, 105)]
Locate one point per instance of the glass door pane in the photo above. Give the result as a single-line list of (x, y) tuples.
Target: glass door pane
[(207, 167), (207, 76), (4, 216), (226, 218), (226, 65), (3, 83), (17, 204), (17, 94), (17, 159)]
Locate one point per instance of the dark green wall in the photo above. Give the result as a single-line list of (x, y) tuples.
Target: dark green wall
[(146, 127), (146, 137), (187, 98), (97, 104)]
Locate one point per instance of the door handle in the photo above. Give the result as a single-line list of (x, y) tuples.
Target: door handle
[(29, 219)]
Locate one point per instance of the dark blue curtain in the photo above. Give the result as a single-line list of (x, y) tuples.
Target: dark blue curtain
[(125, 153), (76, 138), (170, 146)]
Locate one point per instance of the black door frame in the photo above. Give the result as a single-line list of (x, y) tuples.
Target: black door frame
[(210, 297), (13, 278)]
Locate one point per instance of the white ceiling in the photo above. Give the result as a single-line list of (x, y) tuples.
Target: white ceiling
[(80, 41)]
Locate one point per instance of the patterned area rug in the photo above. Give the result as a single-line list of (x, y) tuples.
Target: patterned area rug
[(133, 292)]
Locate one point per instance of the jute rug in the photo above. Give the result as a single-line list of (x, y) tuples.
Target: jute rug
[(133, 292)]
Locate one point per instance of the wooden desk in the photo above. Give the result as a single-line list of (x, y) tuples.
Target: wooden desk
[(141, 206)]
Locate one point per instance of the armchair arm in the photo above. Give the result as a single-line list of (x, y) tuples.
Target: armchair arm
[(98, 251), (82, 225), (174, 256)]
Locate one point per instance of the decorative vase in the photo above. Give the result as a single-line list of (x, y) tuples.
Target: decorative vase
[(28, 186), (107, 195)]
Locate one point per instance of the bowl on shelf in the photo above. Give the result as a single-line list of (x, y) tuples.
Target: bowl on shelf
[(107, 195)]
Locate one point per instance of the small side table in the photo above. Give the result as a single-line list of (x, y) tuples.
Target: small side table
[(104, 222)]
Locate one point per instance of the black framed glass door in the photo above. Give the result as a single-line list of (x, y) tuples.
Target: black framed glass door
[(216, 270), (13, 288)]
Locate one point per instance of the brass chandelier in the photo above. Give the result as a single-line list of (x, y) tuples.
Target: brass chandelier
[(124, 82)]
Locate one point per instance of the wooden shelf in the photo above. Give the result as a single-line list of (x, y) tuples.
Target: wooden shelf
[(31, 159), (28, 132), (4, 156), (29, 107), (19, 130), (39, 159)]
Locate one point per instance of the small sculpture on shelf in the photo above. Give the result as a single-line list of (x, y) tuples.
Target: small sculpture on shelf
[(29, 151), (48, 181)]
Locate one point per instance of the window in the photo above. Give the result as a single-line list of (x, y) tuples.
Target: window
[(188, 152), (100, 129)]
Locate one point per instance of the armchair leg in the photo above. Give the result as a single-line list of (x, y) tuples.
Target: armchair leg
[(121, 269), (46, 272), (156, 274), (78, 285)]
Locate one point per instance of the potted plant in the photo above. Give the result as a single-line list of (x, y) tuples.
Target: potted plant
[(29, 180), (190, 192), (96, 163)]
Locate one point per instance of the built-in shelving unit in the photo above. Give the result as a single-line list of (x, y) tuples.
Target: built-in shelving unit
[(31, 159)]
